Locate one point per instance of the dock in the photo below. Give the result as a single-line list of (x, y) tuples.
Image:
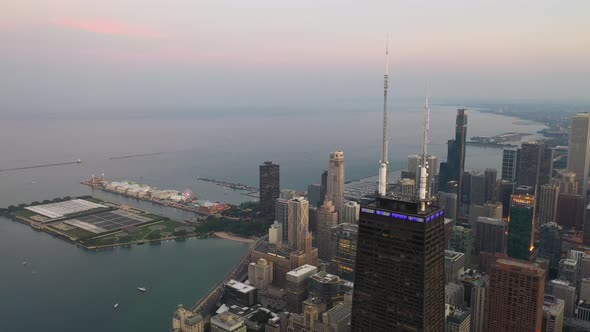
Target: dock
[(235, 186), (41, 166)]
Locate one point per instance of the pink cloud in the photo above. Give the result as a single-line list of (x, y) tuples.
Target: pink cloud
[(103, 27)]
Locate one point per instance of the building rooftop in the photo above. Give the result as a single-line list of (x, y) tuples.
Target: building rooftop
[(560, 282), (302, 270), (267, 248), (239, 286), (516, 264), (453, 255), (227, 320), (325, 277), (339, 312), (491, 221)]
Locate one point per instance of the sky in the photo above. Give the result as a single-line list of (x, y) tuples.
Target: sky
[(112, 55)]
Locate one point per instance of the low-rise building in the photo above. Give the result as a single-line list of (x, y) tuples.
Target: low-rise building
[(240, 294), (227, 322), (187, 321)]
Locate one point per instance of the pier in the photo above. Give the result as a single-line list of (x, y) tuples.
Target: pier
[(235, 186), (136, 155), (41, 166)]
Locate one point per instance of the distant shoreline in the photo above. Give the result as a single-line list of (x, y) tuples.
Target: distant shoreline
[(232, 237)]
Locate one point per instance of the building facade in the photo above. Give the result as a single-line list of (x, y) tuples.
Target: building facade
[(327, 217), (509, 165), (399, 283), (579, 149), (520, 228), (298, 222), (344, 261), (270, 187), (335, 189), (516, 297)]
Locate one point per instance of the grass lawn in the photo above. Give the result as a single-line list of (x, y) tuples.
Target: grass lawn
[(142, 233), (25, 213), (79, 233), (152, 216)]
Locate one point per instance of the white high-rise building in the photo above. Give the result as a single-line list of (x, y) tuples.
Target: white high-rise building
[(275, 233), (352, 212), (260, 274), (335, 190)]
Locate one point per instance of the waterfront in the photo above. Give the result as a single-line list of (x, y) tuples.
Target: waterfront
[(74, 288)]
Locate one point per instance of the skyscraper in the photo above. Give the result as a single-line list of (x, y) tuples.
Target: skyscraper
[(547, 203), (335, 188), (504, 190), (553, 314), (476, 287), (570, 211), (399, 284), (491, 175), (478, 189), (509, 165), (269, 188), (324, 186), (455, 164), (282, 216), (490, 235), (550, 241), (578, 160), (327, 217), (520, 228), (461, 240), (297, 287), (314, 192), (298, 223), (489, 209), (344, 261), (352, 211), (516, 297), (448, 201), (535, 164), (568, 184)]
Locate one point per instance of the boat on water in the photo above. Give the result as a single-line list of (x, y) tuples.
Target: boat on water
[(25, 263), (142, 289), (116, 305)]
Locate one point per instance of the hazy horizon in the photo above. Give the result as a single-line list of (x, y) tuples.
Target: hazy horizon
[(112, 55)]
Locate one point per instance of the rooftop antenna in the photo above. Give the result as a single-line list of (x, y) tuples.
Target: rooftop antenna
[(422, 193), (382, 190)]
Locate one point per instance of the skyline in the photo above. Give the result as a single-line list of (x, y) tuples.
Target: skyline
[(109, 55)]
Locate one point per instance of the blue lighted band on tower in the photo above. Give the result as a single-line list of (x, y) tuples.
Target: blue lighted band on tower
[(403, 216)]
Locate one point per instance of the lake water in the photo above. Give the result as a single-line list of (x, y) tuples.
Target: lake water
[(74, 290)]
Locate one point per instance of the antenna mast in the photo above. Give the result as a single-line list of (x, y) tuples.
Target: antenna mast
[(382, 190), (422, 193)]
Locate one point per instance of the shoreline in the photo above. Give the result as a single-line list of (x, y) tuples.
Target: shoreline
[(232, 237)]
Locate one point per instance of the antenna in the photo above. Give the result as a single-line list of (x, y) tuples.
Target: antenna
[(382, 190), (422, 193)]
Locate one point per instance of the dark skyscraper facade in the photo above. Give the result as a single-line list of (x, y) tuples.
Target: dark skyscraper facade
[(455, 163), (520, 228), (269, 188), (535, 164), (399, 283)]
